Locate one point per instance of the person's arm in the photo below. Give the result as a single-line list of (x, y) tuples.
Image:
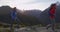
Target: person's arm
[(11, 13)]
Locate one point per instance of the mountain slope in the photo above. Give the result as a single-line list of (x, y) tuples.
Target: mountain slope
[(35, 13), (26, 19)]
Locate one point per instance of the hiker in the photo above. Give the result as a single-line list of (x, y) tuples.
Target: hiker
[(52, 15), (14, 18)]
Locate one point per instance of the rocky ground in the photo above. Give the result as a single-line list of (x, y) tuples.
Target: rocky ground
[(30, 29), (36, 29)]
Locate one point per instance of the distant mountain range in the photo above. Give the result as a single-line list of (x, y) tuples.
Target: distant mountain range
[(29, 17), (32, 16), (26, 17), (35, 13)]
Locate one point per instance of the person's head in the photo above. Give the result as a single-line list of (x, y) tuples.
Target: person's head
[(14, 9), (53, 6)]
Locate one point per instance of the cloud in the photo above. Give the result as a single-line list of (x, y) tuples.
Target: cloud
[(28, 4), (40, 6)]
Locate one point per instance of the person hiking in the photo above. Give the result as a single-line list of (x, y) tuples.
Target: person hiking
[(14, 18)]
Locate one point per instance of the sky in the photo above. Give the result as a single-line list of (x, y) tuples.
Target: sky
[(28, 4)]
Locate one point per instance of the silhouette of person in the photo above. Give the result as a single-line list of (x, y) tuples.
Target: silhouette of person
[(52, 16), (14, 18)]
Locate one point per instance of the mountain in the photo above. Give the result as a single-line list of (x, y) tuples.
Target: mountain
[(35, 13), (30, 17), (44, 16), (5, 10), (5, 16), (26, 19)]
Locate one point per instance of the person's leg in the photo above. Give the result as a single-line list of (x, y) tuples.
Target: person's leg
[(48, 26), (18, 22), (53, 25), (11, 26)]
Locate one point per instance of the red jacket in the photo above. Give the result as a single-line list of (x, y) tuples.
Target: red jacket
[(52, 11)]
